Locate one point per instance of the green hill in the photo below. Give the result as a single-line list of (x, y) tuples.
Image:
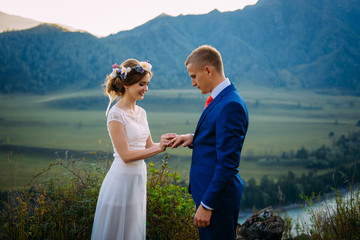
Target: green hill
[(275, 43)]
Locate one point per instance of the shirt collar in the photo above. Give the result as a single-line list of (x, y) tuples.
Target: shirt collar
[(220, 87)]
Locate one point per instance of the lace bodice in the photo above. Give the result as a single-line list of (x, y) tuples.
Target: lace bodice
[(136, 127)]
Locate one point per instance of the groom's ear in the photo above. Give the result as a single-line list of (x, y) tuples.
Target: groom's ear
[(209, 70)]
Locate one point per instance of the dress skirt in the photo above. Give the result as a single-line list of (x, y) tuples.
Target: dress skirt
[(121, 207)]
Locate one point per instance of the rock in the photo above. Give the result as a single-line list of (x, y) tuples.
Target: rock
[(263, 225)]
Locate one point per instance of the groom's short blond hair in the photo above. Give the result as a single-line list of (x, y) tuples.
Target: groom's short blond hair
[(206, 55)]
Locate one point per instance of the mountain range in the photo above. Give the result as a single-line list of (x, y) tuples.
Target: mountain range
[(312, 44), (10, 22)]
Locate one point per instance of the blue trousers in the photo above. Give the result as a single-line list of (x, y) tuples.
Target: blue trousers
[(222, 226)]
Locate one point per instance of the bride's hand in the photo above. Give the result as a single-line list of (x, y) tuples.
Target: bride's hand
[(166, 139)]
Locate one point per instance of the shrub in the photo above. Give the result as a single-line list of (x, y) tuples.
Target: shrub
[(170, 209)]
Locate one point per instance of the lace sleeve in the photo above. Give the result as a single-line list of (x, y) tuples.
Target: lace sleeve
[(116, 116)]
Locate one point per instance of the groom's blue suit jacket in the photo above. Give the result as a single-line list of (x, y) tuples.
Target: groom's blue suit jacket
[(217, 144)]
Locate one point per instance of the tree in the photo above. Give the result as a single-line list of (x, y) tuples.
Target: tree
[(302, 153)]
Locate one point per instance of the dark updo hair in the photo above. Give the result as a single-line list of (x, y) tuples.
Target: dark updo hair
[(114, 87)]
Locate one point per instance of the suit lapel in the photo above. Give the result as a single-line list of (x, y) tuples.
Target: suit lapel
[(213, 104)]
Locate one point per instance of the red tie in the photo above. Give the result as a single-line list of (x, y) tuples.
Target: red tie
[(208, 101)]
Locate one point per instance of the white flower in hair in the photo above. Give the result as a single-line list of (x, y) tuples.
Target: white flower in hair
[(146, 65), (113, 74), (125, 70)]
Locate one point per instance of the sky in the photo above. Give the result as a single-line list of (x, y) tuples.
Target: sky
[(104, 17)]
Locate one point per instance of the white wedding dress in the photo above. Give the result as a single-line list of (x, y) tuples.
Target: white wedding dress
[(121, 207)]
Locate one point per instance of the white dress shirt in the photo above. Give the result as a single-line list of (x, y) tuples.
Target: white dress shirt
[(220, 87)]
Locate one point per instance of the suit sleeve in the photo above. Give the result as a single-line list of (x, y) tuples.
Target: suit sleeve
[(231, 127)]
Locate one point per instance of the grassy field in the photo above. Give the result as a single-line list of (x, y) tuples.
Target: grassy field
[(34, 127)]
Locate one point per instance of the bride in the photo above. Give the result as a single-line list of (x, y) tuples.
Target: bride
[(121, 206)]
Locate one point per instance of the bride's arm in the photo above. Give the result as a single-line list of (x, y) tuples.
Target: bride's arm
[(150, 143), (118, 134)]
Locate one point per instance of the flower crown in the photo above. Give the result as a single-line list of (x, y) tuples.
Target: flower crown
[(124, 72)]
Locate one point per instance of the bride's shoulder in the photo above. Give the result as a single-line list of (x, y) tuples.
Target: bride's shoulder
[(114, 109), (115, 113), (142, 111)]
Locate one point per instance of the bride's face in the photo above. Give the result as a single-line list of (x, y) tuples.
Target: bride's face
[(138, 90)]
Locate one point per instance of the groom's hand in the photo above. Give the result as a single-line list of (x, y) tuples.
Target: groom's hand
[(202, 217), (184, 140)]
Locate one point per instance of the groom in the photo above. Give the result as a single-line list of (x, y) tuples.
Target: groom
[(215, 184)]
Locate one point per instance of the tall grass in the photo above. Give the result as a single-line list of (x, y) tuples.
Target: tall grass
[(63, 206), (336, 220), (338, 217), (59, 207)]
